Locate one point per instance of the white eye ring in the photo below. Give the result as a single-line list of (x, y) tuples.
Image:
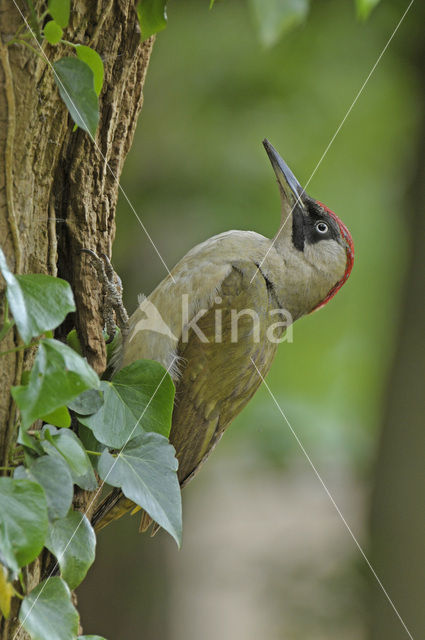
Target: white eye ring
[(322, 227)]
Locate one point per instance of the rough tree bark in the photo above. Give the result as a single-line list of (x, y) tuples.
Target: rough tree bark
[(397, 523), (398, 513), (58, 190)]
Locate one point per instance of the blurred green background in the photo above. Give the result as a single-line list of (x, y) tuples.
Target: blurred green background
[(265, 554)]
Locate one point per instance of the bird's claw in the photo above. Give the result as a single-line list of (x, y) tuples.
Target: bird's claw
[(113, 308)]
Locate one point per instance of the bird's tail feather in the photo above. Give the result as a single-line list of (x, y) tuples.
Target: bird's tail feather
[(114, 506), (111, 508)]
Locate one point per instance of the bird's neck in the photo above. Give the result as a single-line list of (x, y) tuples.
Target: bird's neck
[(300, 283)]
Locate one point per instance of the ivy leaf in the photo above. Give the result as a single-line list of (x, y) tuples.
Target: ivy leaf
[(65, 444), (364, 7), (59, 374), (94, 61), (7, 556), (152, 17), (52, 32), (275, 17), (60, 417), (47, 613), (75, 82), (91, 444), (87, 402), (72, 540), (146, 472), (141, 394), (73, 341), (60, 10), (23, 521), (38, 302), (29, 442), (6, 592), (55, 477)]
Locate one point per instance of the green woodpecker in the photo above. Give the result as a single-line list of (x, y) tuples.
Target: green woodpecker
[(224, 308)]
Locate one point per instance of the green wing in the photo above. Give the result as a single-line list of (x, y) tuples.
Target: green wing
[(218, 378)]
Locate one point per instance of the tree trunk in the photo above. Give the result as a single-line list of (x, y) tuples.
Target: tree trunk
[(58, 189), (397, 510)]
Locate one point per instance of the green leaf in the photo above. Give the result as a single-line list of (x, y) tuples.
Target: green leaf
[(29, 441), (146, 472), (64, 443), (58, 375), (114, 346), (6, 592), (75, 82), (38, 302), (152, 17), (53, 473), (47, 613), (23, 521), (60, 417), (72, 540), (52, 32), (91, 444), (94, 61), (25, 377), (73, 341), (364, 7), (7, 556), (141, 394), (60, 10), (276, 17), (87, 403)]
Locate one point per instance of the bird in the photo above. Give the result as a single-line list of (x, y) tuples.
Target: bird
[(239, 290)]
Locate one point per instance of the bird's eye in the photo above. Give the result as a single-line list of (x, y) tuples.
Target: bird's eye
[(322, 227)]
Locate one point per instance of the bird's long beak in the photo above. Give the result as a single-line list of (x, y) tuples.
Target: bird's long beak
[(289, 186)]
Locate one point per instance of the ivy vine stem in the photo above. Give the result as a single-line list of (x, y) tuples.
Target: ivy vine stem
[(18, 39), (9, 155), (29, 46), (5, 330), (7, 324), (34, 433), (71, 44), (22, 581), (18, 34), (22, 347)]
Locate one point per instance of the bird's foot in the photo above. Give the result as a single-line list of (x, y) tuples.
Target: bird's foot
[(113, 307)]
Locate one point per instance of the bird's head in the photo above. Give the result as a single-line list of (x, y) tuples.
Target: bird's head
[(310, 230)]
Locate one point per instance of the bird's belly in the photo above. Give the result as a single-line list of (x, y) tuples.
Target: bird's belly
[(218, 376), (194, 442)]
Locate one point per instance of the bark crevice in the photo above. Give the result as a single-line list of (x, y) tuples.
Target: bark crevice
[(57, 194)]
